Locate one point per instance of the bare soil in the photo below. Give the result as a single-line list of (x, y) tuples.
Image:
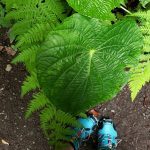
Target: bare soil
[(132, 119)]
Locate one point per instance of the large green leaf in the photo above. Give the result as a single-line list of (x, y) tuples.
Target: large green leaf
[(83, 61), (100, 9)]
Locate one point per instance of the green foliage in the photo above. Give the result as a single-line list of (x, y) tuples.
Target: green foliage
[(39, 101), (2, 13), (100, 9), (34, 9), (142, 15), (55, 123), (25, 56), (77, 63), (79, 66), (34, 35), (144, 2), (30, 83), (30, 21), (141, 73), (28, 14)]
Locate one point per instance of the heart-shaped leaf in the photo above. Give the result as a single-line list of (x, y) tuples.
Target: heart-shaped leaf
[(83, 62)]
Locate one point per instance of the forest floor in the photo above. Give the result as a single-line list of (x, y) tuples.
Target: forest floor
[(132, 119)]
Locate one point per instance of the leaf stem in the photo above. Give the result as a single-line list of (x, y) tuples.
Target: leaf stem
[(126, 10)]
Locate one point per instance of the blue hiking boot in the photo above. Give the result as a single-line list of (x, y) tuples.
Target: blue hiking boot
[(107, 135), (83, 134)]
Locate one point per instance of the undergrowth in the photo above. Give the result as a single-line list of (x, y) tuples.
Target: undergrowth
[(76, 53)]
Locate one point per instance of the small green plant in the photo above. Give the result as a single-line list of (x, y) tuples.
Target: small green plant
[(77, 54), (141, 73)]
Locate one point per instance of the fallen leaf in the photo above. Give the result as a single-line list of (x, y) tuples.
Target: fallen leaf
[(4, 142)]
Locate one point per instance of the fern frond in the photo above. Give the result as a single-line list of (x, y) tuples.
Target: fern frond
[(58, 129), (145, 30), (142, 14), (146, 48), (57, 125), (47, 114), (140, 76), (35, 34), (145, 57), (25, 56), (65, 118), (57, 7), (144, 2), (14, 4), (59, 135), (82, 115), (38, 102), (30, 83), (19, 28), (146, 40), (18, 14), (35, 11)]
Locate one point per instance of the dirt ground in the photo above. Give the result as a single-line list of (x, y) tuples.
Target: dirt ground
[(132, 119)]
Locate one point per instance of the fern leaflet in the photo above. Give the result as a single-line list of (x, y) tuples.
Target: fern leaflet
[(31, 83), (39, 101)]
